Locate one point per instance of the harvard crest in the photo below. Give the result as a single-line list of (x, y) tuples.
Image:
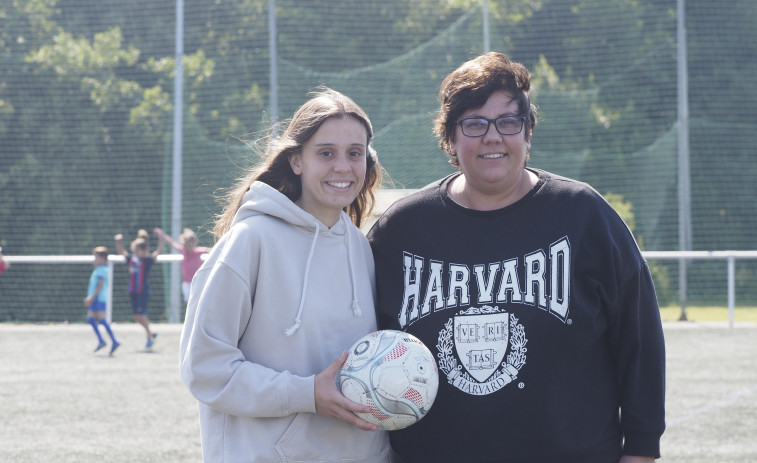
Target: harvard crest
[(480, 337)]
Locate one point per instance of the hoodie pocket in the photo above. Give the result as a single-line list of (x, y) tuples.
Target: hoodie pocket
[(313, 437)]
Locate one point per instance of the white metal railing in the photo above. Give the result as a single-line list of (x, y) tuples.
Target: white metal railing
[(112, 259), (729, 256)]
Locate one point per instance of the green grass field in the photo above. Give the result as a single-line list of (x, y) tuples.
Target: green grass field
[(709, 314), (62, 403)]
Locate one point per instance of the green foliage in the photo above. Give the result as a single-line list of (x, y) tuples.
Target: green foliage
[(659, 272), (623, 208), (151, 116), (73, 57), (87, 101)]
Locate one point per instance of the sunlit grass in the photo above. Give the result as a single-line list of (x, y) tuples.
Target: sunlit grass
[(709, 313)]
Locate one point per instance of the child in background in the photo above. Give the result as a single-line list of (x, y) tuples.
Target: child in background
[(144, 234), (97, 295), (4, 264), (140, 262), (189, 247)]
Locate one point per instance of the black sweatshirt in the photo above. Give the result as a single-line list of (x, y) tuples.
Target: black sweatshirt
[(543, 319)]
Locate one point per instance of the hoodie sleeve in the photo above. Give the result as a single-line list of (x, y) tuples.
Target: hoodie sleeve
[(212, 366)]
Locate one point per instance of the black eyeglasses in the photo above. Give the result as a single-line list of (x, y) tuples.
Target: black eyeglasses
[(479, 126)]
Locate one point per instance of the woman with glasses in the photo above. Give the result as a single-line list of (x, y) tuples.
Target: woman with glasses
[(529, 289)]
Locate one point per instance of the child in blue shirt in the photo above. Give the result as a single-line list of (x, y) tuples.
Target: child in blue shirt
[(97, 296)]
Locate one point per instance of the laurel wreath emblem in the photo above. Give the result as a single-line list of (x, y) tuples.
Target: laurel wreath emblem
[(515, 359)]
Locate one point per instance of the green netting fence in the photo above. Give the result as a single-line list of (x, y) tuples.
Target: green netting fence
[(86, 114)]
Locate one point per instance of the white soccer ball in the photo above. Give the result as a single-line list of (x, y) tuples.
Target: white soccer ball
[(392, 372)]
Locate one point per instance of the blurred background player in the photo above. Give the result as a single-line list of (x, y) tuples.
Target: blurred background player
[(140, 262), (189, 247), (4, 265), (97, 296)]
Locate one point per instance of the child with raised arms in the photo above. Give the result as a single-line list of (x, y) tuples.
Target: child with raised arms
[(140, 262)]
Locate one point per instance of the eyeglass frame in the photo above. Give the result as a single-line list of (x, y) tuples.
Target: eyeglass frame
[(489, 123)]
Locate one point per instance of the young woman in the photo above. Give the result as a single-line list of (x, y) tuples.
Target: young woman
[(286, 289)]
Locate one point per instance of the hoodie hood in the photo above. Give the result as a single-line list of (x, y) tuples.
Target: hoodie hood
[(262, 199)]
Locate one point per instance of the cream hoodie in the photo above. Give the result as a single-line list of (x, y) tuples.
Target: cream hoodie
[(279, 298)]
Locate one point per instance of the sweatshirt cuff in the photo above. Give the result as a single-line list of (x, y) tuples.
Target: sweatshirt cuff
[(302, 394), (642, 445)]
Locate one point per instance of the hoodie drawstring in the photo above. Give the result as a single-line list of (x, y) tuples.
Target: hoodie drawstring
[(290, 331), (355, 306)]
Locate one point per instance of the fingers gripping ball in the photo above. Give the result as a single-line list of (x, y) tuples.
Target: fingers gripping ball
[(392, 372)]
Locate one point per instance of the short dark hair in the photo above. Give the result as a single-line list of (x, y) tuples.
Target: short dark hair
[(471, 84)]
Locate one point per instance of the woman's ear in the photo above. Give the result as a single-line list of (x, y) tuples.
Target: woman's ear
[(295, 163)]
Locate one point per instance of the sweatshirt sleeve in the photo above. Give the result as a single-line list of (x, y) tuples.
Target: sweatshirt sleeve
[(213, 367), (638, 343)]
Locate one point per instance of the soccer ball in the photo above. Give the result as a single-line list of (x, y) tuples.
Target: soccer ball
[(392, 372)]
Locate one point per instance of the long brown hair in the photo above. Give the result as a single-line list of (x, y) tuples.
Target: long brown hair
[(276, 171)]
